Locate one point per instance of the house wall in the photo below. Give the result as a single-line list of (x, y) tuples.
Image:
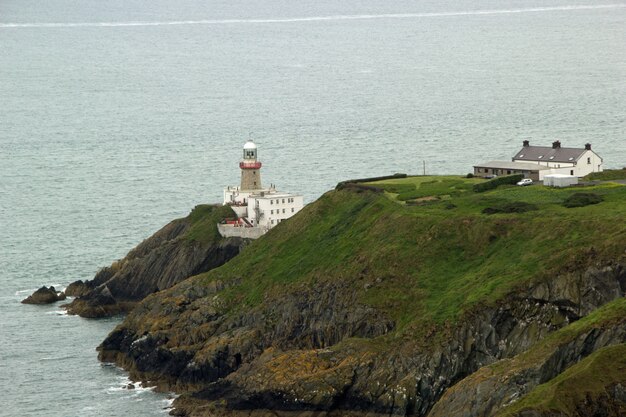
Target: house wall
[(589, 162), (483, 172), (268, 211), (235, 195), (547, 163), (227, 230)]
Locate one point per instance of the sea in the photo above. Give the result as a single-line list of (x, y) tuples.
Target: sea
[(117, 116)]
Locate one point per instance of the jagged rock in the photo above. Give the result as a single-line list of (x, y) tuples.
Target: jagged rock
[(44, 295), (159, 262), (77, 288)]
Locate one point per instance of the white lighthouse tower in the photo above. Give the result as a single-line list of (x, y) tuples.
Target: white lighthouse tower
[(250, 168)]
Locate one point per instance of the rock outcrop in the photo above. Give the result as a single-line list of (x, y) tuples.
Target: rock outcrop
[(183, 248), (285, 356), (44, 295)]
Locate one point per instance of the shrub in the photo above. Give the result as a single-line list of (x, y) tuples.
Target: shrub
[(582, 199), (371, 179), (510, 207), (496, 182), (470, 175), (359, 188)]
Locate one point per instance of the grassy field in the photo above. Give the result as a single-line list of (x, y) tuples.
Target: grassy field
[(428, 261)]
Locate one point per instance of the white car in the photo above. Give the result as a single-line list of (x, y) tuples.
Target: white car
[(525, 181)]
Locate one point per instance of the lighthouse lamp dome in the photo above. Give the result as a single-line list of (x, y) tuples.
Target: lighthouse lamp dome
[(249, 150)]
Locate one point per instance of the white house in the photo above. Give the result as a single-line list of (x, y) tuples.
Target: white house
[(577, 162), (536, 162), (258, 209)]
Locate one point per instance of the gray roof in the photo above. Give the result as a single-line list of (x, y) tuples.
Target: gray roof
[(519, 166), (548, 154)]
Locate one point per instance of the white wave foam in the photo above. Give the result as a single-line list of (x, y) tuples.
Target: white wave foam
[(315, 18), (20, 292), (55, 358), (58, 312)]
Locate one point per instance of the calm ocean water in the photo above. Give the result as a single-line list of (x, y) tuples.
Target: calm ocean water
[(118, 116)]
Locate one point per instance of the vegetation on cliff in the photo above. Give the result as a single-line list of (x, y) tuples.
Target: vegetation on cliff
[(182, 248), (378, 297)]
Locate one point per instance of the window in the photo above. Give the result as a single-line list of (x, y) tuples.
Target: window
[(271, 201), (283, 210), (521, 156), (283, 201), (272, 221), (571, 172), (540, 156), (292, 209), (571, 159), (271, 211), (589, 160), (508, 171), (552, 157)]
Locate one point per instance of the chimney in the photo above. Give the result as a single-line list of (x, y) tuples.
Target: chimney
[(588, 146), (556, 144), (526, 144)]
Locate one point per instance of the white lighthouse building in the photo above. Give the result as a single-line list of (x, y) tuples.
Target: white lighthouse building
[(258, 209)]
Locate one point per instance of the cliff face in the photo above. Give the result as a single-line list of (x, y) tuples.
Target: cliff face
[(183, 248), (299, 354), (362, 306)]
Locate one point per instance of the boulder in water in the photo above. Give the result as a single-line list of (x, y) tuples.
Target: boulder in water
[(44, 295)]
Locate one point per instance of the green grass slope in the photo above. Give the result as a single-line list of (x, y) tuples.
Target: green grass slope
[(607, 175), (432, 260)]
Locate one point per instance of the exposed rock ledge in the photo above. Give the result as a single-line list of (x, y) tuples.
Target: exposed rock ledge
[(183, 248)]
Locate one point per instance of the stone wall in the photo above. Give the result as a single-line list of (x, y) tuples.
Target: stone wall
[(243, 232)]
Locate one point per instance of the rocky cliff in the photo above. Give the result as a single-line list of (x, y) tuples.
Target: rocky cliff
[(182, 248), (363, 305)]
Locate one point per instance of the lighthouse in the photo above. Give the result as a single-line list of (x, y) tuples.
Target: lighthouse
[(250, 168), (257, 209)]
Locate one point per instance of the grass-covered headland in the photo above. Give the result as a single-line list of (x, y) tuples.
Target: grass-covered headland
[(384, 275)]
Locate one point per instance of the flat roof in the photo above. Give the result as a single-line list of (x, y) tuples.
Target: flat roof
[(520, 166), (273, 195), (560, 176)]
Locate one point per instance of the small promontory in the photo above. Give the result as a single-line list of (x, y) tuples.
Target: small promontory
[(417, 296), (183, 248)]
